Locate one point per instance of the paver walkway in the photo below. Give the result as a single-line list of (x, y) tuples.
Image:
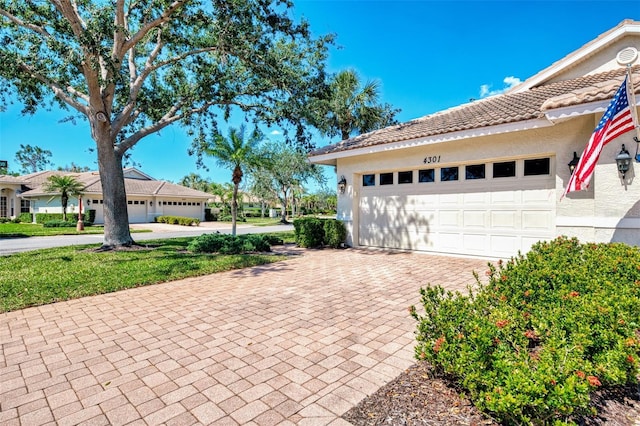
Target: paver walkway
[(294, 342)]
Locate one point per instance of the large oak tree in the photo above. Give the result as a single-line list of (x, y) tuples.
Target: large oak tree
[(133, 67)]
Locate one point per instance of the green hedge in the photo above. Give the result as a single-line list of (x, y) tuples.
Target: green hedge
[(59, 223), (228, 218), (312, 232), (545, 331), (89, 217), (178, 220), (230, 244), (210, 216), (25, 217)]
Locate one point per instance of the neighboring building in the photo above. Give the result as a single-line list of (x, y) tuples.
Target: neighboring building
[(147, 198), (486, 178)]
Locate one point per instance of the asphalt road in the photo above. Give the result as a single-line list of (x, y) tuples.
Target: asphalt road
[(16, 245)]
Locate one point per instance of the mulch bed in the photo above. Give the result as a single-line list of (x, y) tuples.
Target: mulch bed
[(419, 397)]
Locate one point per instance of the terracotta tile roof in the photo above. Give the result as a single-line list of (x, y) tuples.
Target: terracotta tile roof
[(495, 110), (13, 180), (92, 185)]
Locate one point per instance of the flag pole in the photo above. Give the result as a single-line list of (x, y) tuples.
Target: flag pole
[(634, 111)]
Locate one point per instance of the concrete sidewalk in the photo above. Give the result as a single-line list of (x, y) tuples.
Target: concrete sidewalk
[(294, 342)]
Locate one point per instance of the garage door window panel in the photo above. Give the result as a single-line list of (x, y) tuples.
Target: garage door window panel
[(537, 166), (386, 178), (475, 171), (426, 176), (405, 177), (449, 174), (504, 169), (368, 180)]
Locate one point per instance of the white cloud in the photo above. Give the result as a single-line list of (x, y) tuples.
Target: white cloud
[(512, 81), (485, 89), (275, 133)]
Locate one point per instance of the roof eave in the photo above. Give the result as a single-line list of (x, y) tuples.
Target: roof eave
[(331, 158)]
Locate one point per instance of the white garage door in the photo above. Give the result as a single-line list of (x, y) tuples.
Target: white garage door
[(183, 208), (490, 216), (137, 210)]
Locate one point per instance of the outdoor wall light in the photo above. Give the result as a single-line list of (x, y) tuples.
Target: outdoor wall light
[(623, 160), (635, 138), (342, 184), (573, 163)]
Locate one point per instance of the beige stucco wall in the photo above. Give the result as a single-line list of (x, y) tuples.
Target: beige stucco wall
[(608, 211)]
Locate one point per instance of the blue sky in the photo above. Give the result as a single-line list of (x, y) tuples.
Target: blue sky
[(427, 55)]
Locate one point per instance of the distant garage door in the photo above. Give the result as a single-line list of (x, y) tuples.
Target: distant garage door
[(490, 209), (137, 210), (183, 208)]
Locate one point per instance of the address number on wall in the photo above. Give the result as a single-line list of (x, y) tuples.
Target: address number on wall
[(431, 159)]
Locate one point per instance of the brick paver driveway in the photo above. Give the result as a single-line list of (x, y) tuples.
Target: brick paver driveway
[(294, 342)]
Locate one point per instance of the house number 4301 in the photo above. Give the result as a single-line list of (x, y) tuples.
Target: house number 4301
[(431, 159)]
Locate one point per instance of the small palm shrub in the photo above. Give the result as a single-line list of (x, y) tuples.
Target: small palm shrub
[(230, 244), (546, 330)]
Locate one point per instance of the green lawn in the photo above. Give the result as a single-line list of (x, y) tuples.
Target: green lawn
[(260, 221), (22, 230), (51, 275)]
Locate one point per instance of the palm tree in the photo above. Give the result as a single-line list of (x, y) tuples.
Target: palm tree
[(195, 181), (353, 108), (65, 185), (235, 153)]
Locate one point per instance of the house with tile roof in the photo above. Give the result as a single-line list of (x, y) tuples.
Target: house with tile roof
[(487, 177), (147, 198)]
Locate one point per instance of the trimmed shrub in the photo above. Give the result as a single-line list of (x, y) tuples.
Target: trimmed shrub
[(312, 232), (227, 218), (60, 224), (546, 330), (89, 217), (25, 217), (177, 220), (229, 244), (309, 232), (273, 240), (210, 216), (335, 233)]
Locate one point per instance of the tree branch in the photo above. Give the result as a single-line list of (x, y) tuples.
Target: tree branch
[(59, 91), (165, 17), (36, 28)]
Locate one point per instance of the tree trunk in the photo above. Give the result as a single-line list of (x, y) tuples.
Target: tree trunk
[(116, 218), (234, 208), (283, 208), (64, 200)]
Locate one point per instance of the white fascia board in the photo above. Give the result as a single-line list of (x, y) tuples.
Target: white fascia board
[(432, 140), (557, 115), (576, 57)]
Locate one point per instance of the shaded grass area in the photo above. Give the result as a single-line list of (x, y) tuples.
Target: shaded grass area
[(51, 275), (25, 230)]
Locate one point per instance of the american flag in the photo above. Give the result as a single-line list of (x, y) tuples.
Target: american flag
[(617, 120)]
